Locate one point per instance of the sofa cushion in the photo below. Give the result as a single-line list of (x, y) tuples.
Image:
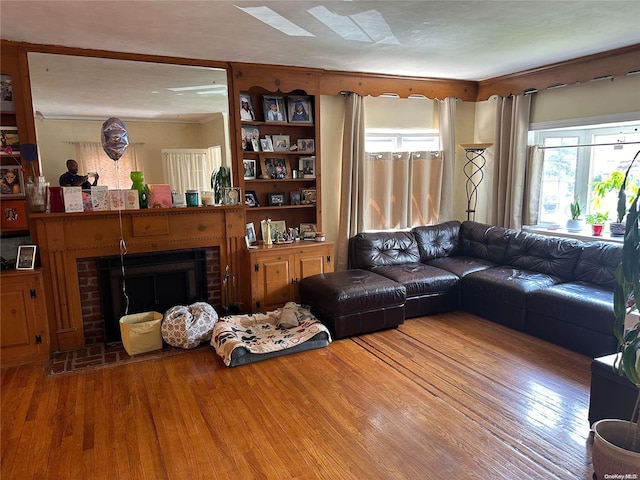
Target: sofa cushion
[(461, 266), (436, 241), (539, 253), (597, 264), (373, 249), (486, 242), (418, 278)]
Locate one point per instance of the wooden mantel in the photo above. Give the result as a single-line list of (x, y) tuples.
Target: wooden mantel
[(63, 238)]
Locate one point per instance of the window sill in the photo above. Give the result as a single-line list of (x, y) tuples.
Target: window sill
[(584, 235)]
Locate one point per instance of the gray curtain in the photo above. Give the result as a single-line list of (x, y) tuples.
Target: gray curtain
[(351, 197), (510, 161)]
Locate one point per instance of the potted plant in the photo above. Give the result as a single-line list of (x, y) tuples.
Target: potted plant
[(597, 220), (574, 224), (220, 180), (616, 446)]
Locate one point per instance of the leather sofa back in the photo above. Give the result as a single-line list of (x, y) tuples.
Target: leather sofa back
[(553, 256), (598, 263), (373, 249), (436, 241), (486, 242)]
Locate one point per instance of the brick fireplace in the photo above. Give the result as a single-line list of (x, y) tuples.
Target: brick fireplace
[(90, 294)]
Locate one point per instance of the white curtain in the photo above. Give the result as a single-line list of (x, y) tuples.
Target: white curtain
[(190, 169), (510, 160), (91, 157)]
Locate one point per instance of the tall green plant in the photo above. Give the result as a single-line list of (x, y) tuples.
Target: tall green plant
[(622, 193), (220, 179)]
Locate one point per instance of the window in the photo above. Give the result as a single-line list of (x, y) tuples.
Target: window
[(572, 162), (92, 158), (401, 142)]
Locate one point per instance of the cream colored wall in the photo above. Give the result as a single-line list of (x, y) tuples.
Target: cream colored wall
[(382, 113), (331, 126), (55, 147)]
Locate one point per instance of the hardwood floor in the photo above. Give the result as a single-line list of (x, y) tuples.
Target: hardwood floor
[(447, 396)]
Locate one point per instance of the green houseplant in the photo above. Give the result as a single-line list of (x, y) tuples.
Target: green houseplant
[(220, 179), (616, 442), (574, 224), (597, 221)]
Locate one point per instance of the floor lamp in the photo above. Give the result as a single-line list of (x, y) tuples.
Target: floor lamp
[(473, 171)]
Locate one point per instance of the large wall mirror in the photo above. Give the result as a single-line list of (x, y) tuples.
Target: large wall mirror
[(176, 117)]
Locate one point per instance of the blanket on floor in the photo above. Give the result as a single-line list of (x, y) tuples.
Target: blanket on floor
[(258, 336)]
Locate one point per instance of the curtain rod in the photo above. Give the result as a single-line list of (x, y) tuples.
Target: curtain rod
[(588, 145)]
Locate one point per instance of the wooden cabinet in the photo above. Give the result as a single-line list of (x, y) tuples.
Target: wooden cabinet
[(24, 337), (277, 270)]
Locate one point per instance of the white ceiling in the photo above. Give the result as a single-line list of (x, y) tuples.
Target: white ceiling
[(470, 40)]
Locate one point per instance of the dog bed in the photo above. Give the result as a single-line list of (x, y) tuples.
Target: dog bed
[(244, 339)]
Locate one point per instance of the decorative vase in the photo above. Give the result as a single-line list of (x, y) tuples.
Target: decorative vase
[(617, 228), (138, 184), (608, 457), (574, 225), (37, 195)]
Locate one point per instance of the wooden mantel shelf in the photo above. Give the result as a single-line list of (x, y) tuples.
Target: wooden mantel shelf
[(63, 238)]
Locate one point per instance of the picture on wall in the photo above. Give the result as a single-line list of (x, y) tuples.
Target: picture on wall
[(11, 183), (300, 109), (6, 94), (274, 109)]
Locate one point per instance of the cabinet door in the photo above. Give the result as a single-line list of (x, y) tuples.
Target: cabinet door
[(23, 336), (272, 282), (312, 262)]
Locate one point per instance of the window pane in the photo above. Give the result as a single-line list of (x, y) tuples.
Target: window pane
[(558, 179)]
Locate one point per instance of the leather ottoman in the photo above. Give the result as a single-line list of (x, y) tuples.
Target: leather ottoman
[(353, 302), (612, 395)]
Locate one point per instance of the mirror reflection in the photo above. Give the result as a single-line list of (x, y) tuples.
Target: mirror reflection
[(176, 117)]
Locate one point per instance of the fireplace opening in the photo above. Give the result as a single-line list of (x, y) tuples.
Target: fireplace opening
[(154, 282)]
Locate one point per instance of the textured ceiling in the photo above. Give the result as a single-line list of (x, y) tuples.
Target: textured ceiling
[(470, 40)]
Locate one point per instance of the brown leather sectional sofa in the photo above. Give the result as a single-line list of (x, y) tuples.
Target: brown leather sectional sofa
[(560, 290)]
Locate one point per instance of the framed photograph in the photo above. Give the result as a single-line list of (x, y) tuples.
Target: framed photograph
[(307, 167), (250, 138), (246, 107), (12, 182), (6, 94), (9, 138), (281, 143), (266, 145), (249, 169), (277, 226), (26, 257), (14, 215), (251, 198), (309, 195), (277, 199), (251, 233), (255, 145), (300, 110), (274, 167), (296, 198), (274, 109), (231, 196), (306, 145), (308, 230)]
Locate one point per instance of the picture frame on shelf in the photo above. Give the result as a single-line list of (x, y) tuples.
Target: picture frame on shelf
[(307, 167), (266, 145), (308, 230), (246, 107), (296, 197), (300, 109), (14, 215), (11, 181), (306, 145), (26, 257), (274, 168), (251, 198), (9, 138), (249, 169), (277, 199), (309, 196), (281, 143), (251, 233), (277, 226), (255, 144), (6, 94), (274, 109), (231, 196), (250, 133)]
